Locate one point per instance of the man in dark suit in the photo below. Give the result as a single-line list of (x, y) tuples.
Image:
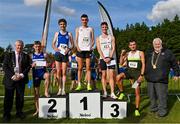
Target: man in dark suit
[(16, 66)]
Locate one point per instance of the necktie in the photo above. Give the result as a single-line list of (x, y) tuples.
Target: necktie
[(19, 62)]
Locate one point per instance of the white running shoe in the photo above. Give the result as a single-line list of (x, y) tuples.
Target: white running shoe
[(104, 95), (59, 92), (63, 92), (113, 96)]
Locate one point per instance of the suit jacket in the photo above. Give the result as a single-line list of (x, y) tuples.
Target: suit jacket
[(8, 67)]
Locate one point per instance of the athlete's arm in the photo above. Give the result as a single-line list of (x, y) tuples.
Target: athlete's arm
[(113, 47), (76, 39), (71, 40), (46, 55), (143, 66), (92, 38), (54, 42), (143, 62), (99, 49)]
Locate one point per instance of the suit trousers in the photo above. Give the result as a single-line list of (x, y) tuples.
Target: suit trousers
[(19, 87), (158, 94)]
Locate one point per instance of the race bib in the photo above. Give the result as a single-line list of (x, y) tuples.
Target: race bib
[(73, 65), (133, 64), (41, 63), (85, 44), (62, 48), (106, 49), (112, 62), (85, 41)]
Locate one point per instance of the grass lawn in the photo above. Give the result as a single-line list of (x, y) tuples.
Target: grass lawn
[(172, 117)]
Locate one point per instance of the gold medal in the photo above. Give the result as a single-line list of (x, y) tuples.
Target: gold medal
[(154, 66)]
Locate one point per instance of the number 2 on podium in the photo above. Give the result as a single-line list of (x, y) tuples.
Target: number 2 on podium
[(51, 109)]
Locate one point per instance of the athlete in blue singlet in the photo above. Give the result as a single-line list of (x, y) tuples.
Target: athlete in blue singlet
[(63, 39), (39, 73), (94, 61), (73, 66)]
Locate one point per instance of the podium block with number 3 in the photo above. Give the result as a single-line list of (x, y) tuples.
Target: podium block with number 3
[(52, 108), (114, 109), (84, 105)]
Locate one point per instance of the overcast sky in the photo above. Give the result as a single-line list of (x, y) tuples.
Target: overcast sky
[(23, 19)]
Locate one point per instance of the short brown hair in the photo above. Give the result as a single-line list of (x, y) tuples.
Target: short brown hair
[(62, 20), (104, 23)]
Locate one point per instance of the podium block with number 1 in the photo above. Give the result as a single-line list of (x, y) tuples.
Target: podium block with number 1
[(84, 105)]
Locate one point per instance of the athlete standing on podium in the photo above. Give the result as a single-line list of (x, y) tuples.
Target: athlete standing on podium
[(106, 48), (61, 53), (85, 42)]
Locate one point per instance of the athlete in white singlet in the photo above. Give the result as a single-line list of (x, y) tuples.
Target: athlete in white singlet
[(106, 48), (85, 43)]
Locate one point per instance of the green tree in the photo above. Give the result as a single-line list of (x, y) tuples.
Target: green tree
[(9, 48), (1, 54), (28, 48)]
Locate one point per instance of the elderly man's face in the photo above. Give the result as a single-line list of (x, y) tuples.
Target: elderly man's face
[(19, 47), (157, 45)]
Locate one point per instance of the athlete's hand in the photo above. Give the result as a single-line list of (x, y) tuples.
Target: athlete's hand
[(33, 64), (107, 60), (175, 78), (140, 78), (56, 49), (78, 49)]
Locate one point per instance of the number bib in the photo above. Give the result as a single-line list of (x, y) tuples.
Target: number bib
[(62, 48), (73, 65), (85, 42), (133, 64), (106, 49)]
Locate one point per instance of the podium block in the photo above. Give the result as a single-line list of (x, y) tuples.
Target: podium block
[(84, 105), (114, 109), (52, 108)]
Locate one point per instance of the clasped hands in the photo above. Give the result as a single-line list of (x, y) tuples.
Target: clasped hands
[(16, 77)]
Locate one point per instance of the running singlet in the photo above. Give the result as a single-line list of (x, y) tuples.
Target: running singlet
[(105, 45), (134, 60), (84, 39), (63, 41), (73, 62), (38, 70), (93, 61)]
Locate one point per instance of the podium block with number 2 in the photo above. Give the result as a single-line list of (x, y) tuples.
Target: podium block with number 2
[(84, 105), (52, 108)]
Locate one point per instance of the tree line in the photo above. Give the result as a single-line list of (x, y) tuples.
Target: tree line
[(168, 31)]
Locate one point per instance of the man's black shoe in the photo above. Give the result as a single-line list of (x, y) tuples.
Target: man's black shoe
[(6, 119), (21, 116), (159, 116)]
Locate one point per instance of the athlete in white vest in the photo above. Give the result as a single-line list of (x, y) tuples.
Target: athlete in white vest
[(134, 72), (106, 48), (84, 43)]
